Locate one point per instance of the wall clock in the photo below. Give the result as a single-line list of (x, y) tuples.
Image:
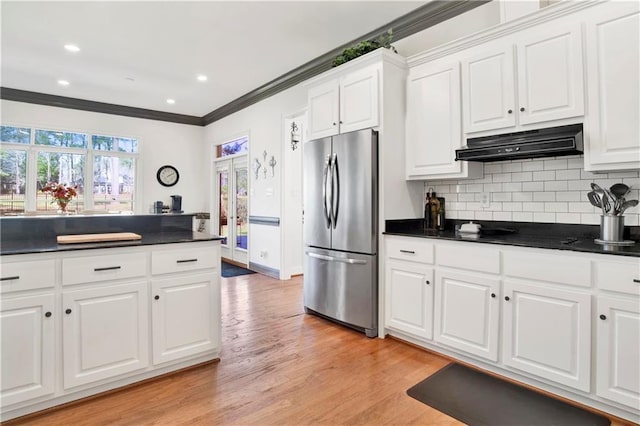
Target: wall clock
[(167, 175)]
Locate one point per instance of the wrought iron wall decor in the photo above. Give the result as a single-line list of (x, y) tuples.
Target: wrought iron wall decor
[(295, 135), (257, 165)]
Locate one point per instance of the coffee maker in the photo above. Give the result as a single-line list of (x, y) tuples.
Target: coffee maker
[(176, 204)]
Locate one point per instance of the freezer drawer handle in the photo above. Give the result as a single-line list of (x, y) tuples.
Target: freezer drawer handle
[(337, 259)]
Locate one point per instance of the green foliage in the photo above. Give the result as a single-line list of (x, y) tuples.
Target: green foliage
[(364, 47)]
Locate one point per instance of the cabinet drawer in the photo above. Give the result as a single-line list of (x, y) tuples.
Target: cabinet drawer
[(553, 268), (17, 276), (411, 249), (78, 270), (184, 259), (618, 276), (464, 256)]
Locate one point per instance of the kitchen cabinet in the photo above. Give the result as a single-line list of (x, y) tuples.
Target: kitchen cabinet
[(618, 350), (433, 123), (185, 310), (105, 332), (541, 82), (613, 57), (344, 104), (467, 312), (547, 333), (409, 298), (28, 344)]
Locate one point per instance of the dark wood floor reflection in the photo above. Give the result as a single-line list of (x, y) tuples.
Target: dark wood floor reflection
[(278, 366)]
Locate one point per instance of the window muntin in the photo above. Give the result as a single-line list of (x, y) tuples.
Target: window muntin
[(15, 134), (13, 180), (63, 139)]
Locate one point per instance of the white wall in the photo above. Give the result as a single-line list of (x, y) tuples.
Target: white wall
[(162, 143)]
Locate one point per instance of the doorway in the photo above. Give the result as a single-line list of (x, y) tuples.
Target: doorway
[(232, 195)]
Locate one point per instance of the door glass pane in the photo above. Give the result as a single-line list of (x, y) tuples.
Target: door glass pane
[(60, 167), (13, 178), (223, 204), (241, 208), (113, 183)]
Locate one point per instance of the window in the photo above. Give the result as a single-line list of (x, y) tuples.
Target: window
[(236, 146), (102, 168)]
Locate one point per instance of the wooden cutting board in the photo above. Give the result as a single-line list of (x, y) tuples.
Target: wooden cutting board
[(98, 238)]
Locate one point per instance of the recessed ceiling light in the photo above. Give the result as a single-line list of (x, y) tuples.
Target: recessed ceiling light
[(202, 77), (72, 47), (171, 101), (63, 82)]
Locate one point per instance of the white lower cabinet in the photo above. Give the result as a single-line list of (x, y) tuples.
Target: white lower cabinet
[(467, 312), (185, 314), (105, 332), (28, 343), (409, 298), (547, 333), (618, 351)]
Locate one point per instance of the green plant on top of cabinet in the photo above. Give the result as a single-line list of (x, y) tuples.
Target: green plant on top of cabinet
[(545, 83)]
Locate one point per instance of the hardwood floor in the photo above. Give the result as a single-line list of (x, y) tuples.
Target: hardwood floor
[(278, 366)]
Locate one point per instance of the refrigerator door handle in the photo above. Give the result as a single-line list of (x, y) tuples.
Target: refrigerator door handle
[(335, 190), (336, 259), (327, 216)]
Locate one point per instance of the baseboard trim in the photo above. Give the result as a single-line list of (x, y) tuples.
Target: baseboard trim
[(271, 272)]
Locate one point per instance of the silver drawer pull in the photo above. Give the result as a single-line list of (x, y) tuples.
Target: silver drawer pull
[(337, 259), (17, 277), (108, 268), (408, 251), (635, 280), (186, 260)]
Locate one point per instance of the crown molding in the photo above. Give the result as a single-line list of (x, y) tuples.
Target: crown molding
[(105, 108)]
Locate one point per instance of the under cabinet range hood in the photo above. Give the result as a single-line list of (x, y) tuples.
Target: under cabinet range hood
[(550, 142)]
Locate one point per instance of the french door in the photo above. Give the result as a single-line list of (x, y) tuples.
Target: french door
[(232, 195)]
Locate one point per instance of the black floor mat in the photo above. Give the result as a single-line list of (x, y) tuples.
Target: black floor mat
[(479, 399), (229, 270)]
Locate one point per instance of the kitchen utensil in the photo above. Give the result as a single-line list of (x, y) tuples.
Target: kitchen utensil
[(626, 205), (594, 199), (606, 206), (601, 193), (619, 190)]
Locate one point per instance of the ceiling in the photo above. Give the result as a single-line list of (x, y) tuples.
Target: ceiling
[(140, 54)]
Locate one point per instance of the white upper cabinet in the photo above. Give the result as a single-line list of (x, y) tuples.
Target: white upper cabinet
[(434, 129), (344, 104), (613, 58), (488, 87), (550, 69), (542, 83)]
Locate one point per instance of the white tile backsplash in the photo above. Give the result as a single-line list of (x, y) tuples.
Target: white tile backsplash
[(539, 190)]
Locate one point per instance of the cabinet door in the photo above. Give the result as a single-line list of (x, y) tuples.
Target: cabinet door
[(433, 120), (618, 351), (28, 339), (488, 91), (185, 316), (547, 332), (550, 70), (323, 110), (467, 313), (359, 100), (613, 66), (105, 332), (409, 298)]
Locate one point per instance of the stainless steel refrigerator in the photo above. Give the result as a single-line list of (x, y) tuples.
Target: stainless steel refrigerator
[(340, 229)]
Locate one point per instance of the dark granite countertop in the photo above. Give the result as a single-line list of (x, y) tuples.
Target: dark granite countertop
[(46, 245), (579, 238)]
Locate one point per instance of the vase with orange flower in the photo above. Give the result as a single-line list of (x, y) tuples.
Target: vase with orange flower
[(61, 194)]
